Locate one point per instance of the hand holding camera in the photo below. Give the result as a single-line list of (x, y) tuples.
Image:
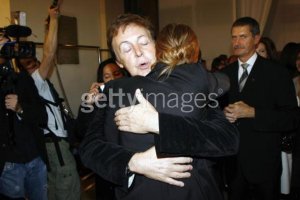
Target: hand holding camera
[(11, 102)]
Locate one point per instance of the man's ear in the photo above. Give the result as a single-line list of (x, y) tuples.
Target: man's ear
[(119, 64), (257, 39)]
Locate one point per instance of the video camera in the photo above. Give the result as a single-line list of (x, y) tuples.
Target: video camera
[(10, 50), (17, 49)]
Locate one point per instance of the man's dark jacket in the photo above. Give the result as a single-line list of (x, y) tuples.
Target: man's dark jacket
[(26, 141), (269, 89)]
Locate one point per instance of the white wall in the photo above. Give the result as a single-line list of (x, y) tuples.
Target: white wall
[(212, 19), (4, 13), (284, 24), (76, 78)]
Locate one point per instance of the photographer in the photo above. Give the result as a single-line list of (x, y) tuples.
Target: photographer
[(63, 178), (22, 149)]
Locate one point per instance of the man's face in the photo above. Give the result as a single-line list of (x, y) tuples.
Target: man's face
[(29, 64), (134, 49), (243, 42)]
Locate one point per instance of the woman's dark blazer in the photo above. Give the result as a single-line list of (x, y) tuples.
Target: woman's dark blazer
[(183, 81)]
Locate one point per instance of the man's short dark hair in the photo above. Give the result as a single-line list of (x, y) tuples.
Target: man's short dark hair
[(248, 21)]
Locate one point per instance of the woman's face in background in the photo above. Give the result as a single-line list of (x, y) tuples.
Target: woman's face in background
[(111, 71), (261, 50)]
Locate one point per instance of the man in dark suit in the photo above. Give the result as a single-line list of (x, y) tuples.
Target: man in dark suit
[(262, 104), (132, 42)]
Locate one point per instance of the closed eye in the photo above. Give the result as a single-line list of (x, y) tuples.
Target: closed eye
[(143, 40), (125, 48)]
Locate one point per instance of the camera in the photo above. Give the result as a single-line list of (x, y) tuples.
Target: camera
[(14, 49), (17, 49), (10, 50)]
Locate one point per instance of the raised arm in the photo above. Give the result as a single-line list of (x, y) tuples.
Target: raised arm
[(50, 43)]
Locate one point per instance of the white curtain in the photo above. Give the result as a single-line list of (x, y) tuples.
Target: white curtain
[(257, 9)]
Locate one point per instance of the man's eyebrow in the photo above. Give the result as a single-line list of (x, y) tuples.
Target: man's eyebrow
[(124, 42), (141, 36)]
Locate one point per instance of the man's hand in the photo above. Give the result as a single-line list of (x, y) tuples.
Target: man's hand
[(164, 169), (238, 110), (11, 102), (141, 118)]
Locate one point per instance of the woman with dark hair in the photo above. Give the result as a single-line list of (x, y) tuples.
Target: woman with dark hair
[(267, 49), (290, 57), (108, 70)]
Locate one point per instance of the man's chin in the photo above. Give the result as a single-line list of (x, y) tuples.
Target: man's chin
[(144, 72)]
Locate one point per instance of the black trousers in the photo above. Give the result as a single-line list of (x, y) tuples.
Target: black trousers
[(104, 189), (241, 188)]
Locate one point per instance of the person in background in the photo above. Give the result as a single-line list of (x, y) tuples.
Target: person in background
[(63, 178), (219, 63), (231, 59), (108, 70), (290, 58), (262, 105), (23, 157), (267, 49)]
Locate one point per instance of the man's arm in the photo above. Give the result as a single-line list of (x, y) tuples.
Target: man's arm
[(26, 102), (283, 116), (111, 161), (179, 135), (50, 44)]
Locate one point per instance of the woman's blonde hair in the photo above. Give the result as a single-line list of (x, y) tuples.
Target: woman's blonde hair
[(176, 44)]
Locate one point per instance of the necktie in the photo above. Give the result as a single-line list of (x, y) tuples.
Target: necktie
[(244, 76)]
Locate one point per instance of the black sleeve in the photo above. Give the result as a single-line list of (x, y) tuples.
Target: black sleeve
[(84, 117), (33, 109), (285, 115), (212, 137), (218, 83), (108, 160)]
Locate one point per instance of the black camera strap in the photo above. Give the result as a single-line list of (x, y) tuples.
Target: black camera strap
[(57, 103)]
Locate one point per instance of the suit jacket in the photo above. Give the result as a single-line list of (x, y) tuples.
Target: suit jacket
[(184, 79), (26, 142), (270, 91)]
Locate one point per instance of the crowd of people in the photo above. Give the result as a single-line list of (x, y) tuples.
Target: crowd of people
[(157, 124)]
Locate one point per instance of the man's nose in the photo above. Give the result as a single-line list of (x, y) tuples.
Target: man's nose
[(138, 51), (235, 42)]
